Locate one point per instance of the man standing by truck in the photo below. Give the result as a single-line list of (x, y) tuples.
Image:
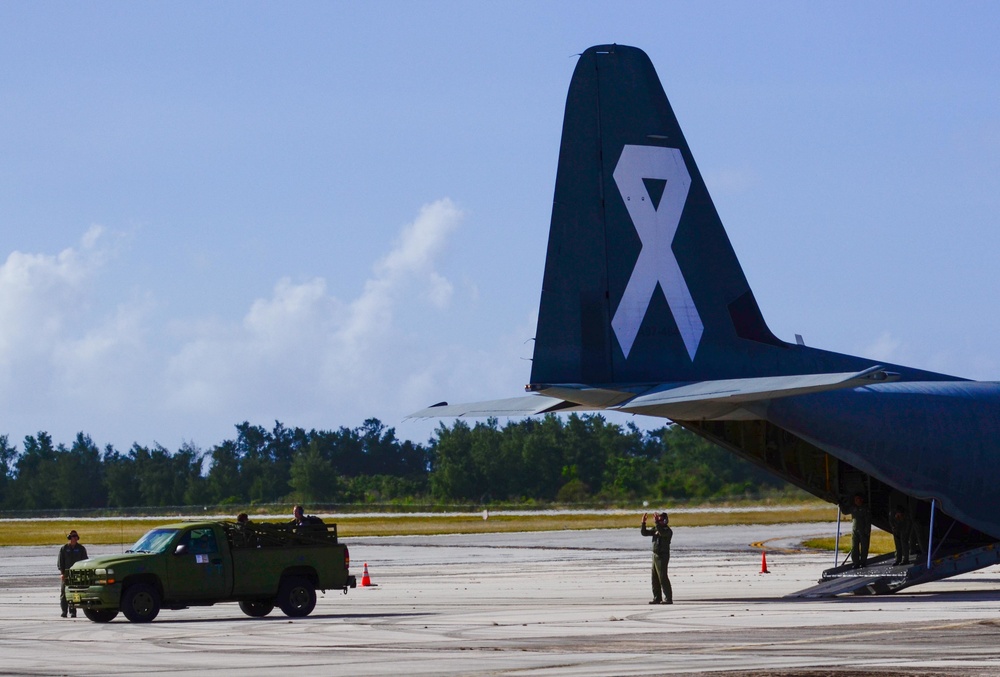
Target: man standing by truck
[(661, 533), (69, 554)]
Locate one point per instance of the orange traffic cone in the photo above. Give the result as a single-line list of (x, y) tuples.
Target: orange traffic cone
[(366, 580), (763, 563)]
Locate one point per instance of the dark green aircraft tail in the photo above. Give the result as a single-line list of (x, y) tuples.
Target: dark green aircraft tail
[(645, 310), (641, 283)]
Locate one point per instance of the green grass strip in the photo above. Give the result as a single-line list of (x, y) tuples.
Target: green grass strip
[(115, 530)]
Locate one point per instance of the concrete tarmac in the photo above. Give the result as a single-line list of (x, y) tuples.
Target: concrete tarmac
[(532, 604)]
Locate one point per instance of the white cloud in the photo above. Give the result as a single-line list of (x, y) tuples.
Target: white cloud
[(104, 360), (39, 294), (115, 369), (303, 354), (45, 313), (886, 348), (68, 359), (410, 262)]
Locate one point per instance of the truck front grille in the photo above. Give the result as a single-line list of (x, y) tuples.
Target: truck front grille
[(80, 578)]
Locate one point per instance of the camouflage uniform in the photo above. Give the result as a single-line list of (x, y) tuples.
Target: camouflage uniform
[(661, 534)]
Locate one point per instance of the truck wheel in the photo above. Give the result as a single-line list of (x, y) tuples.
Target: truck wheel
[(257, 608), (100, 615), (297, 597), (140, 603)]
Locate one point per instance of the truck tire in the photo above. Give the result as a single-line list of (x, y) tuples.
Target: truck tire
[(140, 603), (258, 608), (100, 615), (297, 597)]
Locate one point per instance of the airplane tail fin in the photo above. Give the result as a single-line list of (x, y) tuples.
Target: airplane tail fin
[(641, 282)]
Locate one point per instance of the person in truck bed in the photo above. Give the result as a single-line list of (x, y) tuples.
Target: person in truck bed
[(305, 523)]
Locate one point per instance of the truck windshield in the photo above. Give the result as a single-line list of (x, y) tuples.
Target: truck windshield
[(156, 540)]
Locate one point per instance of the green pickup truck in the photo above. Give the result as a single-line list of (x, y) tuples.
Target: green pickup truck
[(260, 565)]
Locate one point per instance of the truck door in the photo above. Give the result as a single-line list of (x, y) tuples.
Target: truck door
[(199, 569)]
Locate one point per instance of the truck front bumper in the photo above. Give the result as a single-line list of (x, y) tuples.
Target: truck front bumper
[(95, 596)]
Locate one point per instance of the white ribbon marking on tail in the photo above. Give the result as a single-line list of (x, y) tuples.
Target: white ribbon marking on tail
[(656, 228)]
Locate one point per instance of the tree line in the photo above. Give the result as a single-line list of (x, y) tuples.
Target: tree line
[(551, 459)]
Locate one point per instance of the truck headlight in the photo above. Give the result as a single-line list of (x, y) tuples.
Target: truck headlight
[(104, 576)]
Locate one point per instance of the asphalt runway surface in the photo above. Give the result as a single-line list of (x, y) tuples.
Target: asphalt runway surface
[(531, 604)]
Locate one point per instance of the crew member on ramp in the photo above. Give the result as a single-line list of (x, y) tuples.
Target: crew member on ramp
[(861, 532)]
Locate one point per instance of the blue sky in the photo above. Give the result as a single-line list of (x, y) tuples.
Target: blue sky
[(323, 212)]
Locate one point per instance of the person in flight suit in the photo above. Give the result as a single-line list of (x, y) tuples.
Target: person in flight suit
[(899, 520), (861, 531), (69, 554), (661, 533)]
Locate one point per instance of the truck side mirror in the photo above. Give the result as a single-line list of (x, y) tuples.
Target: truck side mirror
[(181, 549)]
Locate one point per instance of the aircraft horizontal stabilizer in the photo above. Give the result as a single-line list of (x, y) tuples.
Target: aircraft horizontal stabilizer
[(678, 401), (528, 405), (716, 399)]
